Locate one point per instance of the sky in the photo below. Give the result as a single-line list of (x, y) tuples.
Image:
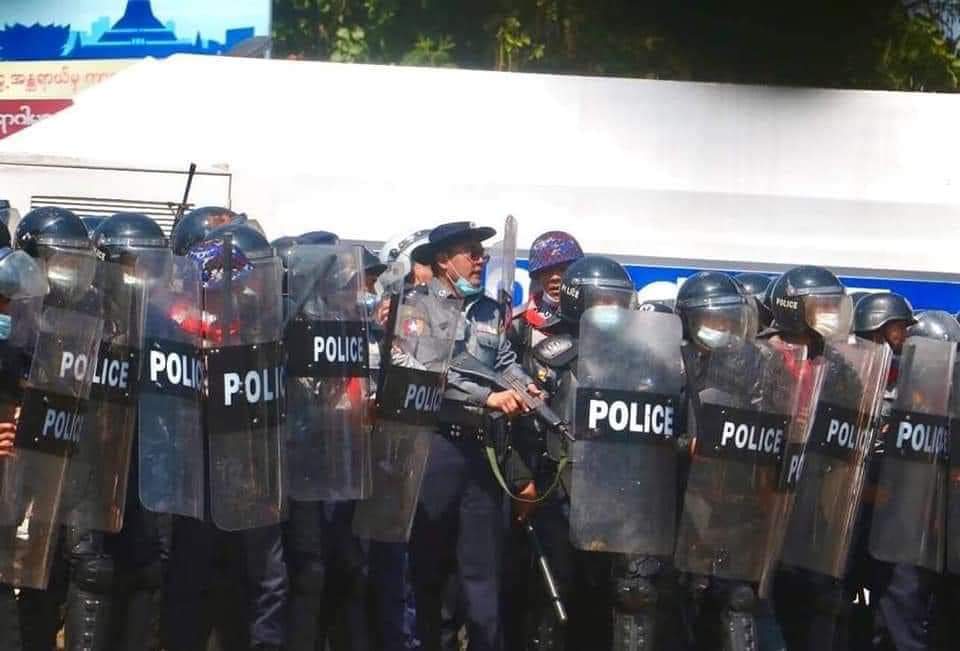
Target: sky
[(210, 17)]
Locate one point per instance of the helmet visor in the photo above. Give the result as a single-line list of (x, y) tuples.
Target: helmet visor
[(717, 327), (593, 296), (829, 315)]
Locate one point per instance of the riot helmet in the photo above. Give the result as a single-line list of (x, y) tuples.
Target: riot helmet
[(663, 307), (811, 299), (935, 324), (552, 249), (48, 229), (318, 237), (197, 225), (247, 239), (883, 318), (119, 237), (757, 285), (716, 311), (593, 281)]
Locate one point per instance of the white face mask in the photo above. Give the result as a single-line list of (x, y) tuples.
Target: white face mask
[(713, 339)]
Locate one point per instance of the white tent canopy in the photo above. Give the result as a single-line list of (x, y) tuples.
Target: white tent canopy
[(632, 167)]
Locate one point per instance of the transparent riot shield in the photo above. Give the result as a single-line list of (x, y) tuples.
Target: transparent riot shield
[(96, 491), (245, 403), (828, 492), (327, 344), (170, 432), (742, 404), (48, 433), (953, 486), (23, 284), (624, 460), (909, 514), (421, 331), (501, 269)]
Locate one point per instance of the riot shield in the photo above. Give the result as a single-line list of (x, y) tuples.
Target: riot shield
[(953, 487), (245, 401), (50, 421), (421, 332), (170, 432), (328, 423), (828, 492), (501, 269), (742, 404), (909, 515), (624, 460), (96, 490)]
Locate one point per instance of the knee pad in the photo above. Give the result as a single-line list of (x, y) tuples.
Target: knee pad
[(309, 577)]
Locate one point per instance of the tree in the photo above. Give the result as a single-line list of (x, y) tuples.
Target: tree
[(876, 44)]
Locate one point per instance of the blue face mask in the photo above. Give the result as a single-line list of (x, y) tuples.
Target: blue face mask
[(5, 326), (464, 288)]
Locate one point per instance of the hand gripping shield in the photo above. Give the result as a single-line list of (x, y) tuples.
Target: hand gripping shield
[(328, 392), (97, 481), (170, 433), (624, 460), (742, 404), (909, 515), (245, 401), (829, 490), (51, 412), (421, 332)]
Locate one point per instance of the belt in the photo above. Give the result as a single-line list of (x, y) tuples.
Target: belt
[(460, 432)]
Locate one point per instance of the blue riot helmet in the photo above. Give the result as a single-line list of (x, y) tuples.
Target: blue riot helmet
[(197, 225), (318, 237), (50, 228), (119, 237)]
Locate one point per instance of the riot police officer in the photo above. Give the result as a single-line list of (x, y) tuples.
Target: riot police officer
[(115, 579), (812, 595), (883, 318), (22, 282), (458, 526), (197, 225), (255, 554), (41, 234), (583, 578), (719, 313)]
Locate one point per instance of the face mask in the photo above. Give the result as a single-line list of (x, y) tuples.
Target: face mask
[(464, 288), (549, 302), (5, 326), (711, 338), (606, 317)]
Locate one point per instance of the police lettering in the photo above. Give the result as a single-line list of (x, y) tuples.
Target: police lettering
[(842, 434), (422, 398), (792, 305), (929, 439), (338, 349), (794, 469), (75, 364), (178, 368), (752, 437), (621, 416), (112, 373), (62, 425), (257, 386)]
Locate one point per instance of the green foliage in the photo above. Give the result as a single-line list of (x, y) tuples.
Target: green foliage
[(877, 44)]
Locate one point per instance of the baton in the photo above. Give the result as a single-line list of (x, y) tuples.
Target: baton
[(186, 196), (545, 572)]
